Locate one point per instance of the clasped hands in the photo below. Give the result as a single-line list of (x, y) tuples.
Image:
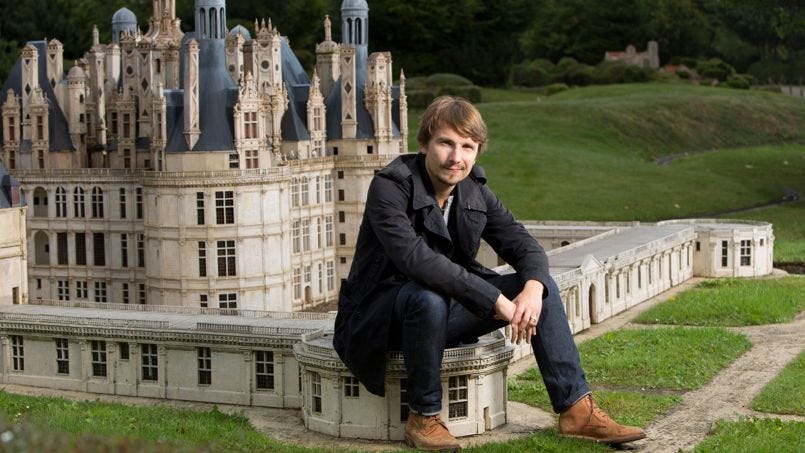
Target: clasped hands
[(522, 312)]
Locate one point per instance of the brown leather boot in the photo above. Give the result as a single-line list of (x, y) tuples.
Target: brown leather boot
[(585, 420), (428, 432)]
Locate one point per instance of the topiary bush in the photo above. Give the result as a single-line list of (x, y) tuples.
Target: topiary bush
[(714, 68), (740, 81), (445, 79), (419, 98), (471, 93), (421, 91)]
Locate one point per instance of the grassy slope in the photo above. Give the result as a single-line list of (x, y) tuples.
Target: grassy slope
[(589, 153), (732, 302)]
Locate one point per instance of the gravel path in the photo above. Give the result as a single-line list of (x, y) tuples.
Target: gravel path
[(729, 394)]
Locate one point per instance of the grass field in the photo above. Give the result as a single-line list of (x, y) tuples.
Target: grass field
[(786, 393), (627, 368), (732, 302), (41, 421), (589, 154), (755, 435)]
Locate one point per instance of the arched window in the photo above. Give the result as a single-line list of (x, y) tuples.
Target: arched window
[(78, 203), (222, 21), (294, 192), (349, 31), (213, 24), (305, 193), (61, 202), (358, 32), (40, 202), (97, 203), (202, 21), (42, 248)]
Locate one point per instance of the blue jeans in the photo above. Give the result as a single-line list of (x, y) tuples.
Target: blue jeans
[(424, 323)]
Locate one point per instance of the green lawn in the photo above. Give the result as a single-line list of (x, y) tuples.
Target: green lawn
[(58, 421), (629, 407), (650, 358), (786, 393), (732, 302), (753, 435), (588, 154), (627, 367)]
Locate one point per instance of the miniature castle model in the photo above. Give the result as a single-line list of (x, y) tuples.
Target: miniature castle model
[(13, 256), (199, 169), (176, 207), (648, 59)]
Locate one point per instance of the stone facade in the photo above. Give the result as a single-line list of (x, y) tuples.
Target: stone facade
[(202, 169), (275, 359), (648, 59), (473, 380), (13, 253)]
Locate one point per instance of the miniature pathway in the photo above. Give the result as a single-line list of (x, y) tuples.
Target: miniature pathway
[(730, 393)]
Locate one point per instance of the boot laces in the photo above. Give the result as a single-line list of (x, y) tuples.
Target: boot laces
[(596, 411), (433, 423)]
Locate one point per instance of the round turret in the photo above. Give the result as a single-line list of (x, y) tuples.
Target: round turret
[(75, 73), (354, 4), (242, 31), (122, 21), (210, 19)]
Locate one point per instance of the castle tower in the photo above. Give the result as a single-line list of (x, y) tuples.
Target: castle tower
[(96, 108), (30, 83), (234, 51), (55, 62), (76, 105), (315, 117), (211, 19), (653, 55), (164, 25), (267, 58), (191, 94), (123, 21), (377, 95), (349, 123), (355, 32), (327, 59), (158, 127), (403, 115), (11, 129), (128, 62)]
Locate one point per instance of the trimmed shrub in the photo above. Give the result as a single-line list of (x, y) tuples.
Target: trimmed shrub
[(566, 63), (471, 93), (422, 90), (444, 79), (683, 74), (530, 75), (580, 75), (740, 81), (416, 83), (419, 98), (714, 68), (608, 72), (555, 88)]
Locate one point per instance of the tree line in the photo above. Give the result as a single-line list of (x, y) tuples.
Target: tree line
[(482, 40)]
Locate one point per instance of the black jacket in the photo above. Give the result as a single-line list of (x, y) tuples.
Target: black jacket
[(403, 237)]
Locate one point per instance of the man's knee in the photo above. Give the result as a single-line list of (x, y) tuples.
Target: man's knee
[(416, 301)]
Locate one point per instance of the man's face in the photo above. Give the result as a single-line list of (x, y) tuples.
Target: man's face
[(449, 157)]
